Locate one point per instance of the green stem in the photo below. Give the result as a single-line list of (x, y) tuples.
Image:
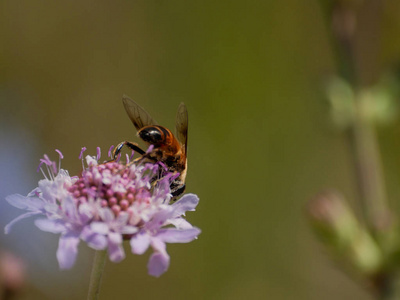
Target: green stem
[(369, 171), (96, 275), (353, 65), (363, 138)]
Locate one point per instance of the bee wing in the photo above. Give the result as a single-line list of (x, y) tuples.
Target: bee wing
[(139, 117), (182, 125)]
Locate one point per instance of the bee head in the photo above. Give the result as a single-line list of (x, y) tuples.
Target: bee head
[(152, 135)]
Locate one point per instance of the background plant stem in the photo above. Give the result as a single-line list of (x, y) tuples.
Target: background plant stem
[(96, 275), (362, 135), (369, 171), (348, 39)]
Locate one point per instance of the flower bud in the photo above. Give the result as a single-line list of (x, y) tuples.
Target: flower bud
[(339, 230), (341, 97), (332, 219)]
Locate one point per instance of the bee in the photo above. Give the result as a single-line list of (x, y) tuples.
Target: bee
[(169, 149)]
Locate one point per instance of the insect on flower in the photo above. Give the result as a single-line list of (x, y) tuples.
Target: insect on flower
[(107, 204), (168, 149)]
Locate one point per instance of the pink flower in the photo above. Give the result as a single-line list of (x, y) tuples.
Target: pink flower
[(106, 204)]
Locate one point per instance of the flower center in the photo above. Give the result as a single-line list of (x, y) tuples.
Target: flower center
[(116, 185)]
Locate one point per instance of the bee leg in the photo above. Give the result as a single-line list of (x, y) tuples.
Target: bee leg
[(133, 146)]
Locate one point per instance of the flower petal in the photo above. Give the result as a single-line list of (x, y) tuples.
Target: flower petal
[(180, 223), (158, 264), (172, 235), (115, 250), (122, 218), (99, 227), (69, 207), (34, 193), (166, 212), (115, 238), (93, 239), (7, 228), (85, 212), (169, 212), (187, 203), (67, 251), (107, 215), (158, 244), (140, 243), (129, 229), (53, 226), (27, 203)]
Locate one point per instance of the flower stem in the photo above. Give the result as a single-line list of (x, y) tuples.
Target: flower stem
[(369, 172), (96, 275)]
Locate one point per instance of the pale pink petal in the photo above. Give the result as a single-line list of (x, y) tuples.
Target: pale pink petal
[(94, 240), (187, 203), (115, 238), (115, 250), (85, 212), (67, 251), (172, 235), (122, 218), (140, 243), (27, 203), (129, 230), (158, 264), (52, 226), (158, 244), (180, 223), (69, 207), (107, 215), (99, 227)]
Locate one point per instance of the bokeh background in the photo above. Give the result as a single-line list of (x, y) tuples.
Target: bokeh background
[(260, 139)]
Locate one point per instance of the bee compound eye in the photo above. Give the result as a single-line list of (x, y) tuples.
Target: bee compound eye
[(151, 135)]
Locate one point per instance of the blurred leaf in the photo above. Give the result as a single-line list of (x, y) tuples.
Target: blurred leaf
[(342, 102)]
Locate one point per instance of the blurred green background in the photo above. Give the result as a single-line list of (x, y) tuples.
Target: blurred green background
[(260, 139)]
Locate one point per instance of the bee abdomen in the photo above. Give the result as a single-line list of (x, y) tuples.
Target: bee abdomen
[(177, 191)]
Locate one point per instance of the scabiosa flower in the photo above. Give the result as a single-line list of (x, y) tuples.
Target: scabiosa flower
[(107, 204)]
